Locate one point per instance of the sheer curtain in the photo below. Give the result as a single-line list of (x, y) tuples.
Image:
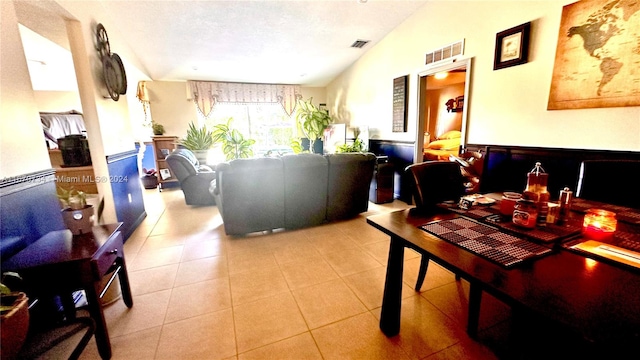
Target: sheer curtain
[(206, 94)]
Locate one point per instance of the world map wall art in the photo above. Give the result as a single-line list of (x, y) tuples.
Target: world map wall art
[(597, 61)]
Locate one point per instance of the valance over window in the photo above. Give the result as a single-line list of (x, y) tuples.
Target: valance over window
[(207, 93)]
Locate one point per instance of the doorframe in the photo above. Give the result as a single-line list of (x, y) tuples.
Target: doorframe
[(421, 81)]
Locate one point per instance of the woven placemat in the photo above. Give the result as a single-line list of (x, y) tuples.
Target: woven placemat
[(486, 241)]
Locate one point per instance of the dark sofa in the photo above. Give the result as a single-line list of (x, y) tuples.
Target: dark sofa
[(194, 178), (292, 191)]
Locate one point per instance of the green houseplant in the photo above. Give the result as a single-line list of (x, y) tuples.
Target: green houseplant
[(158, 129), (234, 144), (198, 140), (76, 213), (312, 121)]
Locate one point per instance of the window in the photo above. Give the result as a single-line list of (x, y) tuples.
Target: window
[(266, 123)]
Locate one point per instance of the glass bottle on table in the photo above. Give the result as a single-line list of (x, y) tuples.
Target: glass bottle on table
[(536, 190)]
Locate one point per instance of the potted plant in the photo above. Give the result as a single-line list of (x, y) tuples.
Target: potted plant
[(149, 178), (14, 318), (234, 145), (312, 121), (198, 140), (356, 146), (158, 129), (76, 213)]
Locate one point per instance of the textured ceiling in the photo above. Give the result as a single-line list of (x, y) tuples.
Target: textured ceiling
[(292, 42)]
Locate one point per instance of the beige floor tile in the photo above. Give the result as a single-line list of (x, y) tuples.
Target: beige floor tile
[(436, 275), (197, 299), (369, 287), (357, 337), (201, 269), (465, 349), (248, 260), (332, 241), (138, 345), (258, 284), (327, 302), (153, 279), (153, 258), (202, 249), (453, 300), (299, 347), (307, 272), (209, 336), (148, 311), (352, 261), (163, 241), (425, 330), (267, 321), (299, 250), (256, 242), (197, 290)]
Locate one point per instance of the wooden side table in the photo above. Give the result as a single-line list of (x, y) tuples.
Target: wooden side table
[(60, 263)]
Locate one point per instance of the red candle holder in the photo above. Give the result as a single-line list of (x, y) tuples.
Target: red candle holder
[(599, 224)]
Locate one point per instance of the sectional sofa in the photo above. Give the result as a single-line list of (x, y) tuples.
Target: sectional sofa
[(291, 191)]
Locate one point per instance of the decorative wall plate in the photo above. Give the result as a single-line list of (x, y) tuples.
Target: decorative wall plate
[(113, 72), (123, 79), (102, 41), (113, 77)]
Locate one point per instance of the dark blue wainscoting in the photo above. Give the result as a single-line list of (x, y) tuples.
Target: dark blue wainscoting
[(29, 209), (127, 190), (400, 155)]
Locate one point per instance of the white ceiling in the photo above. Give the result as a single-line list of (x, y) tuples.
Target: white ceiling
[(303, 42)]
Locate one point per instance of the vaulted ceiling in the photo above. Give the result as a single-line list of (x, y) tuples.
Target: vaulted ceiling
[(303, 42)]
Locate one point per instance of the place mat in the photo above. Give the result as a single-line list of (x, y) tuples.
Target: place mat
[(486, 241), (550, 233), (623, 213)]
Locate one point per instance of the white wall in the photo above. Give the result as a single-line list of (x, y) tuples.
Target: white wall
[(507, 106), (57, 101), (22, 145)]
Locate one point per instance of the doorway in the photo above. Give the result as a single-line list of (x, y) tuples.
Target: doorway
[(443, 98)]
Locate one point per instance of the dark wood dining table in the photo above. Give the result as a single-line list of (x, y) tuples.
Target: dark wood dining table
[(598, 301)]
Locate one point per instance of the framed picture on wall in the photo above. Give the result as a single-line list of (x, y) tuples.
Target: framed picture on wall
[(400, 103), (512, 47)]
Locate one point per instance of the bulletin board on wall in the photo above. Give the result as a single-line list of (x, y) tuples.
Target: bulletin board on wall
[(400, 102)]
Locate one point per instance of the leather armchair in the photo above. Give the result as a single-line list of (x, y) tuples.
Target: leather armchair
[(194, 178)]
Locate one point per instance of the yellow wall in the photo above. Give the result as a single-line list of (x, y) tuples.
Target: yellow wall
[(507, 106)]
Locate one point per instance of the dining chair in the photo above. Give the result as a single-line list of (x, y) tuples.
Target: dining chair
[(435, 182)]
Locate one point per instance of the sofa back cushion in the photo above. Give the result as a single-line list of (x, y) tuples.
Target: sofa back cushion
[(350, 176), (252, 194), (305, 190)]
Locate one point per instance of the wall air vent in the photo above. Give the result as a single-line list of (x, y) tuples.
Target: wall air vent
[(449, 52), (359, 43)]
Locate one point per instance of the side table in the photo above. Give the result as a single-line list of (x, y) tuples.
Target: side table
[(59, 263)]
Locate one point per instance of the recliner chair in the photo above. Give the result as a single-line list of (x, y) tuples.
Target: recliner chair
[(194, 178)]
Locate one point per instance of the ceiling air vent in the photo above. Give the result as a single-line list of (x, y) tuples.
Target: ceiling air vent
[(450, 51), (359, 43)]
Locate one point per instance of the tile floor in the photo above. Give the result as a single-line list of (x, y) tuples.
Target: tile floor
[(313, 293)]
